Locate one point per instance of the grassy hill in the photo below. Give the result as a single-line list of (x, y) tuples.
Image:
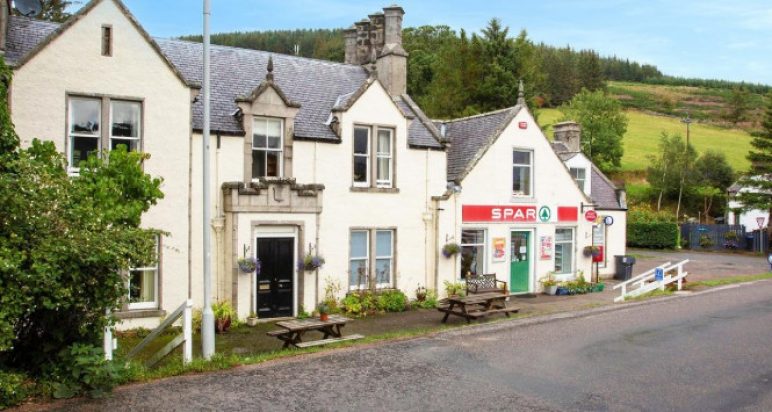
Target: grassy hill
[(644, 130)]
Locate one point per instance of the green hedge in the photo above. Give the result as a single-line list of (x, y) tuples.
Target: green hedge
[(658, 235)]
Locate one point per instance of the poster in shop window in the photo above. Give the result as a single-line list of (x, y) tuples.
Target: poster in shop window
[(545, 249), (499, 249)]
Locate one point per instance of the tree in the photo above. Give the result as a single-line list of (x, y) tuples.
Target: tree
[(671, 170), (759, 177), (64, 244), (603, 126), (55, 10), (739, 103), (712, 176)]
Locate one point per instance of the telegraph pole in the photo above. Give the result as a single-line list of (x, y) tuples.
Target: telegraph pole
[(688, 121), (207, 321)]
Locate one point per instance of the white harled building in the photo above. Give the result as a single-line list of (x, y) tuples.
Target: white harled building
[(308, 157)]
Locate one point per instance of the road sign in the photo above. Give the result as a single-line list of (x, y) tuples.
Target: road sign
[(659, 274), (545, 214), (590, 215), (760, 221), (608, 220)]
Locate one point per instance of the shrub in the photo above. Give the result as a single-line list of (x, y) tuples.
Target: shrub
[(13, 389), (430, 302), (656, 235), (82, 369), (392, 301), (359, 304), (706, 241), (455, 288)]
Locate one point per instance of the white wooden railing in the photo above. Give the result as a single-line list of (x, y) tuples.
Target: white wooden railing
[(186, 337), (647, 282)]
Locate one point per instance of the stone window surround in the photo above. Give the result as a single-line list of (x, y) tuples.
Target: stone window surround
[(282, 137), (249, 111), (371, 233), (104, 132), (372, 185)]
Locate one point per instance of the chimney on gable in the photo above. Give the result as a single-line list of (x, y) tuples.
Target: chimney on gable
[(379, 38), (570, 134)]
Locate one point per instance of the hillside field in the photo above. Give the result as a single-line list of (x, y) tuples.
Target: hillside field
[(644, 131)]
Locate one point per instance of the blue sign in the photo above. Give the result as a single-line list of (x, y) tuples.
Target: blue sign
[(659, 274)]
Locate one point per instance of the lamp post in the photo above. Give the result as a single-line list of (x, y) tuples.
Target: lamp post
[(207, 319)]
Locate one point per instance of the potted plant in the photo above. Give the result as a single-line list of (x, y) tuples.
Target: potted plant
[(454, 288), (420, 293), (252, 319), (730, 240), (223, 316), (310, 262), (451, 249), (550, 284), (324, 311), (593, 251)]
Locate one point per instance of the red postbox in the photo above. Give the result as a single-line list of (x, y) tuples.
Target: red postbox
[(599, 256)]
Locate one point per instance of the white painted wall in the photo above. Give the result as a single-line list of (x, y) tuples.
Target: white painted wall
[(73, 64), (490, 183)]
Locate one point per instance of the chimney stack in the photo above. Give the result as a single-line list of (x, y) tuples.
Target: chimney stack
[(379, 38), (570, 134)]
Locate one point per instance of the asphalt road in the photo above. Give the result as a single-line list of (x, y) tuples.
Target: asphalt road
[(706, 352)]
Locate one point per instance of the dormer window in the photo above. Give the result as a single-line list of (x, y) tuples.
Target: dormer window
[(580, 176), (267, 144)]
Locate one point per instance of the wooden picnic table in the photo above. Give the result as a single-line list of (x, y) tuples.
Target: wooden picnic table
[(293, 331), (477, 306)]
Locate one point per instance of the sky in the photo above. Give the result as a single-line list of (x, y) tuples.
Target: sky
[(729, 40)]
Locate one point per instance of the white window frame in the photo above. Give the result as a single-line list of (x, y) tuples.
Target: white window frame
[(484, 246), (366, 156), (574, 173), (74, 168), (529, 167), (388, 156), (138, 139), (572, 247), (280, 150), (390, 257), (154, 268), (366, 258)]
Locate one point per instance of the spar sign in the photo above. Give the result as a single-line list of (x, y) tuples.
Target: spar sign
[(483, 213)]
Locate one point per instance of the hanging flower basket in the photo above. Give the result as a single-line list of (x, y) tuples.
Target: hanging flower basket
[(310, 262), (593, 251), (451, 249), (249, 265)]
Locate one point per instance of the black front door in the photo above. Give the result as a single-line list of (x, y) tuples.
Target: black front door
[(274, 283)]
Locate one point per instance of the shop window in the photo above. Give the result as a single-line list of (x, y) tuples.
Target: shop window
[(579, 176), (472, 252), (365, 268), (564, 250), (143, 283), (373, 146), (522, 165), (267, 143)]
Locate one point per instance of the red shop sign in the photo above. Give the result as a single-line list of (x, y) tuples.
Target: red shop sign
[(481, 213), (590, 215)]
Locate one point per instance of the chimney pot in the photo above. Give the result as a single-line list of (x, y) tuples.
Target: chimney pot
[(570, 134)]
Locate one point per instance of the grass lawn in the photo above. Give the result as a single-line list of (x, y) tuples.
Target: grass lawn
[(644, 131)]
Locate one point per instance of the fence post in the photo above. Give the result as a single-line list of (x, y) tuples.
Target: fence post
[(187, 330)]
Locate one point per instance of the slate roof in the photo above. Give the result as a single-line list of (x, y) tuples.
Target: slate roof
[(602, 191), (315, 84), (23, 35), (471, 135)]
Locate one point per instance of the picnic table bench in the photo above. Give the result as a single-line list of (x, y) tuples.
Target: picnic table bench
[(292, 331), (477, 306)]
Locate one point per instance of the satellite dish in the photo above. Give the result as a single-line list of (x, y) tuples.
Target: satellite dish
[(28, 8)]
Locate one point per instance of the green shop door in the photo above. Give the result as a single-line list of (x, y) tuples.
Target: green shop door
[(520, 262)]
